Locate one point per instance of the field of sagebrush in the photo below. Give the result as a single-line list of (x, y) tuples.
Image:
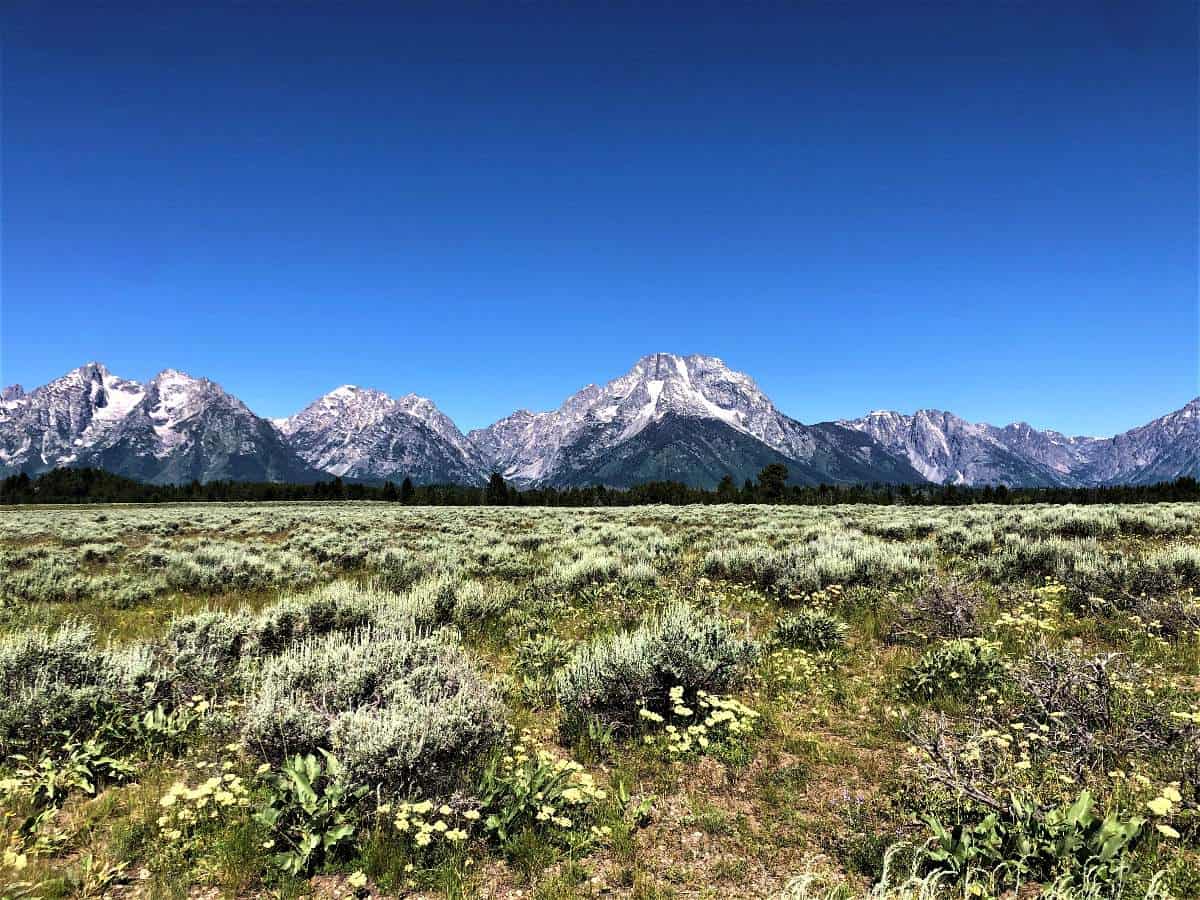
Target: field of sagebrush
[(660, 702)]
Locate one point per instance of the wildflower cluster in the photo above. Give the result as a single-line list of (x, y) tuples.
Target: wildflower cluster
[(828, 598), (185, 809), (1016, 746), (960, 668), (532, 788), (1192, 715), (787, 670), (14, 856), (1037, 615), (424, 823), (724, 721)]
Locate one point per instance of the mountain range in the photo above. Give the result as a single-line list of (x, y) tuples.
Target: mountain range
[(683, 418)]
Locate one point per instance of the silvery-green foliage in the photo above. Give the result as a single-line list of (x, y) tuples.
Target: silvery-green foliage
[(101, 552), (45, 580), (202, 650), (476, 602), (218, 568), (398, 568), (612, 677), (210, 650), (334, 607), (828, 557), (1021, 558), (399, 709), (592, 567), (61, 682)]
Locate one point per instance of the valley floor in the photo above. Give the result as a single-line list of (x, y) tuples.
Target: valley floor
[(367, 699)]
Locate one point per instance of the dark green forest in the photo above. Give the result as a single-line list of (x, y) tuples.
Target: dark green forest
[(96, 486)]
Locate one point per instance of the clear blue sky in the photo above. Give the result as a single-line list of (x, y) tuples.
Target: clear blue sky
[(985, 207)]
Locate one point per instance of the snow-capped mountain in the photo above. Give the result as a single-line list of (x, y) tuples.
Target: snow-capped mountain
[(174, 429), (364, 434), (683, 418), (56, 423), (1162, 450), (687, 418), (947, 449)]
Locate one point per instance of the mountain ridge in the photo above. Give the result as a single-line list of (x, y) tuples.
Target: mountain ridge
[(687, 418)]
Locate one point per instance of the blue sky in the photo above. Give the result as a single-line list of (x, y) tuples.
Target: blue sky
[(983, 207)]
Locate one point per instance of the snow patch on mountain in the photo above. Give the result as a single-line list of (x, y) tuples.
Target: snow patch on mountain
[(530, 448), (365, 434)]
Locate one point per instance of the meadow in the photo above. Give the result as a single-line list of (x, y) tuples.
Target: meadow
[(368, 699)]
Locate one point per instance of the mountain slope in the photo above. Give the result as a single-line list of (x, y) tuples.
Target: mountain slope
[(366, 435), (691, 417), (1162, 450), (57, 423), (174, 429), (685, 418), (947, 449), (189, 428)]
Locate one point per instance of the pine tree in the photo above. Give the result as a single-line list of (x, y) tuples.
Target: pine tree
[(497, 491), (726, 491), (407, 491), (772, 481)]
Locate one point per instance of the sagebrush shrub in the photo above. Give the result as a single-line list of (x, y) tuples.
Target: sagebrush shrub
[(829, 557), (335, 607), (202, 651), (215, 569), (610, 679), (61, 683), (49, 580), (209, 650), (398, 710)]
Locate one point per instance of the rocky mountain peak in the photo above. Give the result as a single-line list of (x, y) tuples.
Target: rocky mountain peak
[(358, 432), (686, 417)]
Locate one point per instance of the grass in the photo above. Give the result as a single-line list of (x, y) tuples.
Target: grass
[(807, 804)]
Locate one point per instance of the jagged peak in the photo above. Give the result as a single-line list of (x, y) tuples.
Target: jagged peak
[(90, 371), (176, 377), (350, 393)]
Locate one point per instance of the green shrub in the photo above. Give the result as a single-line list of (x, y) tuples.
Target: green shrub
[(1023, 843), (307, 812), (335, 607), (532, 790), (202, 651), (538, 658), (811, 629), (961, 668), (612, 678), (206, 651), (216, 569), (49, 580)]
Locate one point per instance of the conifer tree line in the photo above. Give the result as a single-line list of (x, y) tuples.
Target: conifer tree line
[(771, 486)]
